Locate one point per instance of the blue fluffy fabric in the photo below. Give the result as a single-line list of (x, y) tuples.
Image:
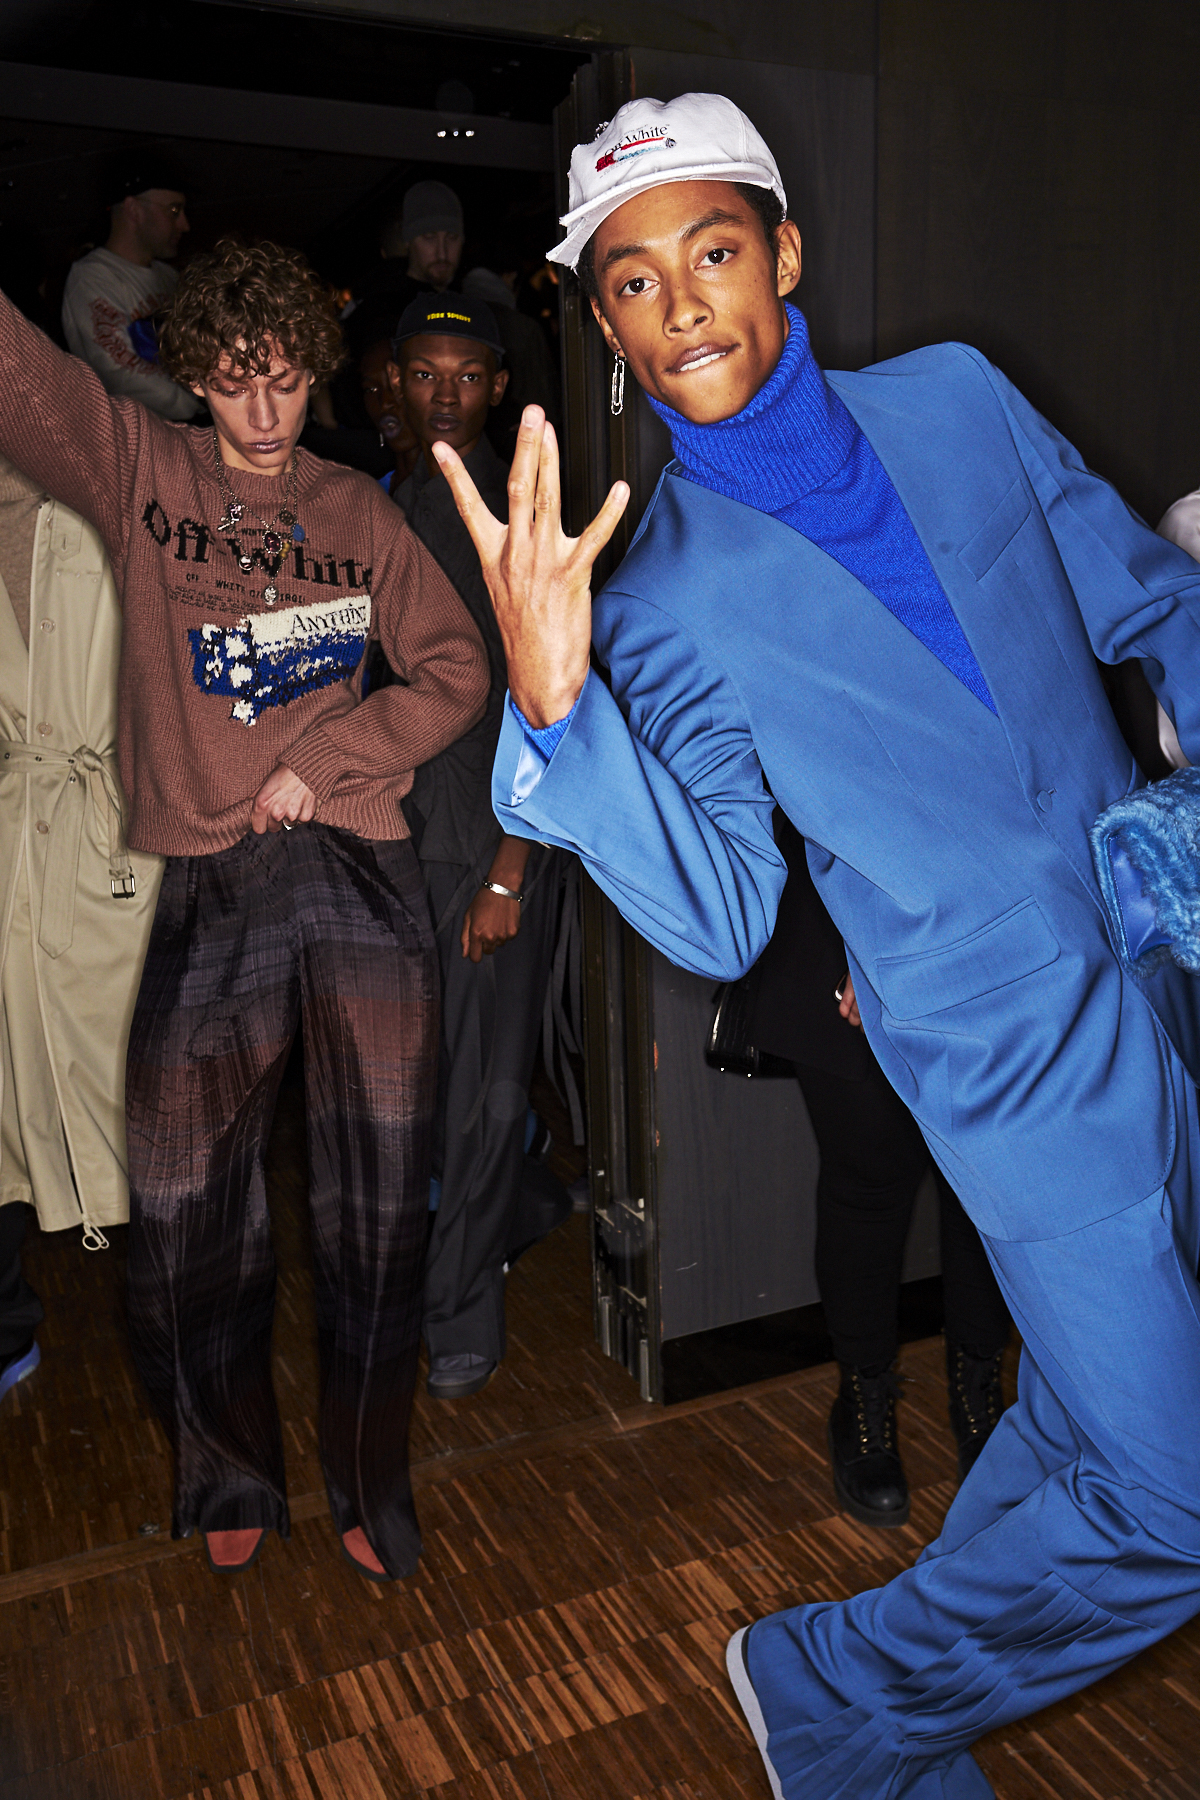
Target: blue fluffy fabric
[(1158, 830)]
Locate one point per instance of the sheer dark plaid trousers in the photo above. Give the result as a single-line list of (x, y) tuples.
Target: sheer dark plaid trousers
[(311, 925)]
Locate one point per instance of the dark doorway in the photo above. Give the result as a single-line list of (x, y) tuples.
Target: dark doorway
[(299, 128)]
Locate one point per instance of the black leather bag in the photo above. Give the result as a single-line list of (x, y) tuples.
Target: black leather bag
[(729, 1047)]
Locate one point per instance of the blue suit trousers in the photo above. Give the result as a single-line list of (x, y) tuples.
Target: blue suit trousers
[(1057, 1562)]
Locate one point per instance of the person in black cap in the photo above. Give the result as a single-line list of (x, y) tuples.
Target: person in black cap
[(114, 294), (494, 898), (533, 377)]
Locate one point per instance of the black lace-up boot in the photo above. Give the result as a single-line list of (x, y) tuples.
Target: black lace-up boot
[(867, 1476), (976, 1401)]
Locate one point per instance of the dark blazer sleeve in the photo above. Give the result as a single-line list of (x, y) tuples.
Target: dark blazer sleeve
[(794, 1013)]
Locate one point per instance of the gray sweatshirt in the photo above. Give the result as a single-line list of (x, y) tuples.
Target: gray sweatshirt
[(109, 307)]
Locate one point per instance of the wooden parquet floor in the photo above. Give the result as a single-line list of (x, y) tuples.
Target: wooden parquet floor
[(586, 1559)]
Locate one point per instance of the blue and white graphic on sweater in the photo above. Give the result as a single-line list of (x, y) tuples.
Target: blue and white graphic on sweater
[(272, 658)]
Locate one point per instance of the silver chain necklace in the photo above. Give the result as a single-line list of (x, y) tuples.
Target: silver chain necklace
[(234, 510)]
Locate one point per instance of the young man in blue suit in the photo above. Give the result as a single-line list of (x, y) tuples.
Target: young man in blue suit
[(885, 592)]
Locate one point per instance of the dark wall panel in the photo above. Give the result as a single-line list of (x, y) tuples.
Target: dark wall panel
[(1037, 169), (736, 1170), (818, 34), (735, 1176), (820, 126)]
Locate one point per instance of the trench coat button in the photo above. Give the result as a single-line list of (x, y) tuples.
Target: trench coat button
[(45, 730), (43, 827), (47, 624), (1045, 799)]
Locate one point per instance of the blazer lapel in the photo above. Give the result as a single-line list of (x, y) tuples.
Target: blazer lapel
[(849, 633), (951, 497), (974, 510)]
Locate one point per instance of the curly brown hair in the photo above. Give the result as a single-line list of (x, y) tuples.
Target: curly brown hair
[(253, 303)]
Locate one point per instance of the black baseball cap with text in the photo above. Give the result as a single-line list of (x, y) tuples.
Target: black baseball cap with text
[(450, 315)]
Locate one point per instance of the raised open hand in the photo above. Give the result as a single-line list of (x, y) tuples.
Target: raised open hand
[(539, 579)]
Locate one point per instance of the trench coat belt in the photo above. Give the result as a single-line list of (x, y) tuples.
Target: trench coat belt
[(56, 929)]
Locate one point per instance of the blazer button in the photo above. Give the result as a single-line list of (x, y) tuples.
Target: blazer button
[(42, 827), (47, 624), (45, 729), (1045, 799)]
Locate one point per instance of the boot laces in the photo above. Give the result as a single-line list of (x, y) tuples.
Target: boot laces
[(874, 1401), (977, 1385)]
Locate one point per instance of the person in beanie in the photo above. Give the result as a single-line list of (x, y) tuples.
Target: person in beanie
[(115, 295), (421, 247), (252, 578), (885, 592), (493, 897), (431, 234)]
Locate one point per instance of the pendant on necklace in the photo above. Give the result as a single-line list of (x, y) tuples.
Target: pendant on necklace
[(233, 513), (271, 594), (286, 516), (245, 564), (297, 534), (272, 543)]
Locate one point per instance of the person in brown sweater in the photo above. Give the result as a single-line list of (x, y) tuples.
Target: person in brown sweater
[(252, 578)]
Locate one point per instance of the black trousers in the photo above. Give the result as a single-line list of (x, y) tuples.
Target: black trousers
[(491, 1022), (873, 1159), (20, 1309)]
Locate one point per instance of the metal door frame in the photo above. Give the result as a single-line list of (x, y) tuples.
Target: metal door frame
[(618, 1031)]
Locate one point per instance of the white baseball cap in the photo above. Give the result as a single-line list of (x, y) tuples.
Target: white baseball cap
[(698, 137)]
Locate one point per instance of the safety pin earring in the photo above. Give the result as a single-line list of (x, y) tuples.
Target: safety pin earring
[(617, 399)]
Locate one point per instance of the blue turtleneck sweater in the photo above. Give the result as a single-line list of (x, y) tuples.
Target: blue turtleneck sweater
[(796, 453)]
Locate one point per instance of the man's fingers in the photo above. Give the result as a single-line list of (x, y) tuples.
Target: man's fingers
[(593, 538), (523, 475), (487, 533), (548, 500)]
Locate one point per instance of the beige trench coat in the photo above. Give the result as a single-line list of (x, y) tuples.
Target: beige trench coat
[(71, 953)]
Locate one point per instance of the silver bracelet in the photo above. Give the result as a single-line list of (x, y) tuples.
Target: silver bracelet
[(509, 893)]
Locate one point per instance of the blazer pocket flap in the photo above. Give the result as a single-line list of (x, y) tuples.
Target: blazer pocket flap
[(1016, 944), (997, 531)]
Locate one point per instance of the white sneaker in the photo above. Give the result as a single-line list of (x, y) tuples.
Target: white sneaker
[(737, 1664)]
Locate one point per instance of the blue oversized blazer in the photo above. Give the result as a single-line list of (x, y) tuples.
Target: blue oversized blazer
[(949, 844)]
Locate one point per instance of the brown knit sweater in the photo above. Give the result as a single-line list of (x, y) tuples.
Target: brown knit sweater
[(216, 686)]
